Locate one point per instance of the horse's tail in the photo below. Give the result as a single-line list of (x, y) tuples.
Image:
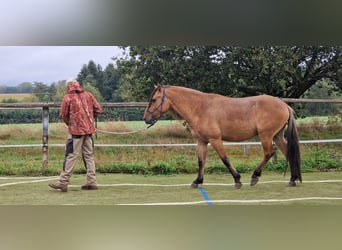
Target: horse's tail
[(293, 150)]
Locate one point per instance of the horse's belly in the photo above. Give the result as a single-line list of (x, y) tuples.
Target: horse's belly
[(238, 134)]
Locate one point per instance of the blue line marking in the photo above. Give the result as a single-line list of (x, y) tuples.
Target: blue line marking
[(205, 196)]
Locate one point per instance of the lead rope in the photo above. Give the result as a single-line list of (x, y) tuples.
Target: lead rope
[(123, 133), (139, 130), (96, 128)]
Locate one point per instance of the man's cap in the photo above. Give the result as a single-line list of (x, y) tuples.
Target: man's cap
[(70, 80)]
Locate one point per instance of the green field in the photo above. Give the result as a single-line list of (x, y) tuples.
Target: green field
[(19, 97), (123, 189)]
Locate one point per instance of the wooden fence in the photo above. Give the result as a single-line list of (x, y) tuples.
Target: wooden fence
[(46, 106)]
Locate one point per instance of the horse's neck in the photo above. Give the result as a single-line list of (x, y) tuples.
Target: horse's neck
[(184, 103)]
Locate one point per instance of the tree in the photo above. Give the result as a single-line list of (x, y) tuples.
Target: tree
[(110, 84), (60, 90), (233, 71), (52, 90), (94, 69), (90, 88), (322, 90), (45, 93), (83, 73), (25, 87), (93, 75), (283, 71), (40, 90), (147, 66)]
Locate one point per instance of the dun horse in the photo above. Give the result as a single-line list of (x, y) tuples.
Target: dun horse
[(213, 118)]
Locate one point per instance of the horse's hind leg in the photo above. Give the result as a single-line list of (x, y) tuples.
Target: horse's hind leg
[(268, 153), (218, 146), (202, 152), (281, 142)]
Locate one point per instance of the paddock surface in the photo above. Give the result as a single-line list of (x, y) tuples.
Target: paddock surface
[(121, 189)]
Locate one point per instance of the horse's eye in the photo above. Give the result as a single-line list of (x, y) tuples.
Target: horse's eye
[(153, 100)]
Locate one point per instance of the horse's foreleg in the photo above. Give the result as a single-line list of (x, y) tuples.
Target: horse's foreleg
[(202, 153), (268, 153), (221, 151)]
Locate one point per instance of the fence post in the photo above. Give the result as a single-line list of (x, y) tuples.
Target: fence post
[(45, 137), (245, 149)]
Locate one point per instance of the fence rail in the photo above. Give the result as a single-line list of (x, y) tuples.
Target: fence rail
[(168, 144), (29, 105), (45, 106)]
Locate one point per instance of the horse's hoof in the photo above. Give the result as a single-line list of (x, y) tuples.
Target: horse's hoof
[(254, 181), (292, 184), (194, 185), (238, 185)]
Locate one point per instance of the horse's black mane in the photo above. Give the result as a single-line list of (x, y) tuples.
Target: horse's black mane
[(152, 94), (155, 89)]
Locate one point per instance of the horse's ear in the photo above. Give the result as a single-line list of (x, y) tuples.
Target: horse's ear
[(158, 86)]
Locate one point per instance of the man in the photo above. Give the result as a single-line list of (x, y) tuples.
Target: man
[(78, 111)]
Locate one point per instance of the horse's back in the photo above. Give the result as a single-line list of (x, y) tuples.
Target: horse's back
[(265, 104), (245, 106), (242, 118)]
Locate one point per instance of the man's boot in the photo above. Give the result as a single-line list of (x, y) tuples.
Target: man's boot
[(60, 186), (89, 187)]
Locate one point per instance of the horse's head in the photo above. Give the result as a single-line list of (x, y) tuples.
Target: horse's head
[(157, 105)]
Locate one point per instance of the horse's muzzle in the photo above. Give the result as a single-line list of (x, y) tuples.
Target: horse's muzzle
[(150, 122), (149, 119)]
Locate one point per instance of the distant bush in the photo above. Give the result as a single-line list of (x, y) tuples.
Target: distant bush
[(17, 116), (10, 100)]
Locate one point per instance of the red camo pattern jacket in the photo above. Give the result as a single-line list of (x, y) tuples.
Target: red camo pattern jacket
[(79, 109)]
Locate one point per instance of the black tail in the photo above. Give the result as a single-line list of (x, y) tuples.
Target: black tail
[(293, 150)]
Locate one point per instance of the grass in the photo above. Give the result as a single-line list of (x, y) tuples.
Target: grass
[(27, 161), (18, 96), (38, 193), (163, 165)]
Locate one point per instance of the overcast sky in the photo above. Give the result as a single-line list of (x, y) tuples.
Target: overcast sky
[(49, 64)]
